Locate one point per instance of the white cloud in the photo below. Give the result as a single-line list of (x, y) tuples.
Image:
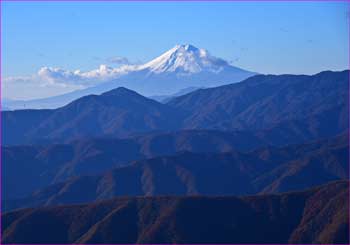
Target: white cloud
[(50, 81), (89, 78), (57, 75)]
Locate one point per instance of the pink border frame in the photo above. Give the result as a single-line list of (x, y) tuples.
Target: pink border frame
[(348, 1)]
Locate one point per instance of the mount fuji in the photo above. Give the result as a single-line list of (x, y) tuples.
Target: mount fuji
[(184, 60), (179, 68)]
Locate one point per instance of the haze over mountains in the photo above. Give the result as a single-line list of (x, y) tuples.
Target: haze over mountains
[(267, 134), (181, 67)]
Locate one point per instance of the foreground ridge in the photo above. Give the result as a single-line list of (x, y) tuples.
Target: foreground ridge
[(283, 218)]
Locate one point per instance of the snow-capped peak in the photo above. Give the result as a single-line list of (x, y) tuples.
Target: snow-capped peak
[(185, 59)]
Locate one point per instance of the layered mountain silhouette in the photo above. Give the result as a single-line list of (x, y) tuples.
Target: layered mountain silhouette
[(43, 165), (266, 170), (319, 215), (172, 170), (116, 113), (296, 107), (264, 101)]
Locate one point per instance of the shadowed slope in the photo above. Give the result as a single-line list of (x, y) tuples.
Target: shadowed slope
[(118, 112), (283, 218), (267, 170), (313, 106), (43, 165)]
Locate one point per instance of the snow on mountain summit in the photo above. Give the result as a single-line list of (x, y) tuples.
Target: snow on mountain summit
[(180, 60), (185, 58)]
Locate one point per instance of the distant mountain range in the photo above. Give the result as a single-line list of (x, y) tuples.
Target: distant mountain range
[(319, 215), (179, 68), (48, 164), (265, 170), (119, 112), (308, 107), (167, 98), (264, 101)]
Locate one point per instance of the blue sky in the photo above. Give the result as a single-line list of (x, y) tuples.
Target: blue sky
[(266, 37)]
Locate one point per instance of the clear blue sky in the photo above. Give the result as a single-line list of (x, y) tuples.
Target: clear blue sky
[(267, 37)]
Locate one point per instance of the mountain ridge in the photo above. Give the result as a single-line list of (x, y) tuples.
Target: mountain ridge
[(85, 156), (263, 101), (118, 112), (264, 170), (252, 219), (301, 106)]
